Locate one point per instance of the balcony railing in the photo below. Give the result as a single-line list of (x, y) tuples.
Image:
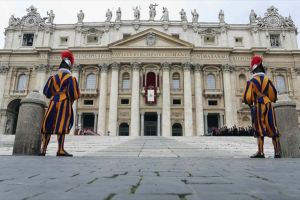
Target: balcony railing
[(89, 92), (213, 92), (18, 92)]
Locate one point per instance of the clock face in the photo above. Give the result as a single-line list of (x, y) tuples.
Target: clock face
[(31, 21), (273, 21)]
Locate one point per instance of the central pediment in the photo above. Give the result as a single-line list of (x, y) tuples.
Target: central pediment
[(152, 39)]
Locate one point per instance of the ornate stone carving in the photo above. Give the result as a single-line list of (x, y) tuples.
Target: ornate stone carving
[(198, 67), (221, 16), (4, 69), (165, 16), (151, 39), (118, 15), (136, 25), (135, 66), (186, 66), (195, 16), (108, 15), (165, 66), (115, 66), (77, 68), (80, 17), (51, 17), (227, 68), (136, 13), (252, 17), (152, 11), (42, 67), (209, 31), (103, 67), (297, 70), (183, 15)]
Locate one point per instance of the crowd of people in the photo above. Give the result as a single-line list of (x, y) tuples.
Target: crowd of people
[(233, 131)]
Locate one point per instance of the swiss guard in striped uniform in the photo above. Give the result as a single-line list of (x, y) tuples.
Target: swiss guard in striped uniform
[(260, 93), (62, 90)]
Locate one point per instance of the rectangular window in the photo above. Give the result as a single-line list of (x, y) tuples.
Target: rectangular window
[(238, 41), (88, 102), (275, 40), (126, 84), (28, 39), (124, 101), (212, 102), (176, 84), (175, 36), (92, 39), (64, 41), (126, 35), (209, 40), (176, 101)]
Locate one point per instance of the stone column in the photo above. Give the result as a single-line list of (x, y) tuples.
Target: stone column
[(3, 74), (113, 100), (297, 70), (135, 100), (158, 124), (41, 71), (285, 109), (188, 110), (95, 122), (142, 123), (79, 121), (75, 73), (229, 114), (28, 136), (102, 100), (198, 101), (166, 111), (205, 124)]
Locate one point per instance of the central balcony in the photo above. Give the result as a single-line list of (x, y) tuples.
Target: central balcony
[(89, 92), (213, 92)]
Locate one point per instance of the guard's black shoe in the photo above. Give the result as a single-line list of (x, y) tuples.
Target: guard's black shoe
[(277, 156), (65, 154), (258, 155), (41, 154)]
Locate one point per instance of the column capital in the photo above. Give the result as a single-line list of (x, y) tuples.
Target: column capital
[(115, 66), (41, 67), (227, 68), (135, 66), (297, 70), (198, 67), (187, 66), (103, 67), (77, 68), (165, 66), (4, 69)]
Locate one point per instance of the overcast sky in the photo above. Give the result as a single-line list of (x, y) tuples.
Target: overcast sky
[(236, 11)]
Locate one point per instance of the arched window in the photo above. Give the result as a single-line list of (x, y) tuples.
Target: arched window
[(124, 129), (211, 81), (22, 80), (176, 129), (91, 81), (126, 81), (280, 83), (242, 81), (176, 81)]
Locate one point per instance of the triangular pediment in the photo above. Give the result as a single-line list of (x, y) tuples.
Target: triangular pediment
[(151, 38)]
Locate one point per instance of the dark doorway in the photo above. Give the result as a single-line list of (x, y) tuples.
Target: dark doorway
[(176, 129), (150, 124), (124, 129), (88, 121), (212, 122), (12, 116)]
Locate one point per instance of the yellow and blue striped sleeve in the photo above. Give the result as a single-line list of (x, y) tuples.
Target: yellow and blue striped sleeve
[(248, 96), (48, 91)]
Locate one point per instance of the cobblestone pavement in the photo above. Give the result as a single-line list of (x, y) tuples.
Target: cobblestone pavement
[(151, 168)]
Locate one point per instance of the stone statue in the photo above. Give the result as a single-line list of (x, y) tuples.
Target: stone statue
[(260, 21), (13, 21), (221, 16), (51, 16), (80, 16), (152, 11), (108, 15), (252, 17), (165, 16), (195, 16), (136, 12), (289, 21), (183, 15), (118, 14)]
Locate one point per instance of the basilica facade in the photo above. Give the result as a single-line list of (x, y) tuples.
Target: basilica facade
[(157, 77)]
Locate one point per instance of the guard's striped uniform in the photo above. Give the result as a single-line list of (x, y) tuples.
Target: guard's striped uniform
[(259, 95), (62, 90)]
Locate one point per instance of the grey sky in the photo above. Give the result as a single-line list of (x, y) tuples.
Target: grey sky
[(236, 11)]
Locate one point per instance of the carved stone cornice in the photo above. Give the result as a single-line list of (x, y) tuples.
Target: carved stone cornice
[(103, 67), (198, 68), (115, 66), (135, 66), (4, 69), (297, 70), (77, 68), (187, 66), (165, 66), (227, 68)]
